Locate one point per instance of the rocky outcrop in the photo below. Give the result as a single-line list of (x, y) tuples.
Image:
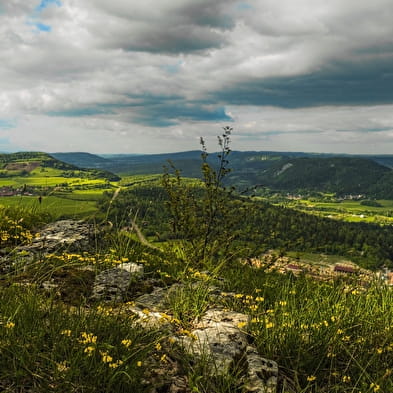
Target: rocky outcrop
[(62, 235), (219, 335), (114, 284), (56, 237)]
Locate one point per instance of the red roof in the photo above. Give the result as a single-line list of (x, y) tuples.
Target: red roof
[(344, 269)]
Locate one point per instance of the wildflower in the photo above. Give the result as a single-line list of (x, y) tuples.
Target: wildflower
[(163, 358), (282, 303), (9, 325), (126, 342), (171, 340), (116, 364), (88, 338), (346, 378), (379, 350), (106, 358), (241, 325), (375, 387), (269, 325), (66, 332), (158, 346), (62, 366), (311, 378), (139, 363), (89, 350), (259, 299)]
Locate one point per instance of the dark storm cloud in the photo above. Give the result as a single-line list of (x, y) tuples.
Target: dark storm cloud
[(166, 26), (361, 83), (153, 111)]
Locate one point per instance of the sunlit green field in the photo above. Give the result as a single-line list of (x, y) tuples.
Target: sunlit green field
[(57, 207), (352, 211)]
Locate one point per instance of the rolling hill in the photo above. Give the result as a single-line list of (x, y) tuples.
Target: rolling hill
[(34, 165), (368, 175)]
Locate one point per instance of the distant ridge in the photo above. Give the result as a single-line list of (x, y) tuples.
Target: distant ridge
[(82, 159), (24, 163), (369, 175)]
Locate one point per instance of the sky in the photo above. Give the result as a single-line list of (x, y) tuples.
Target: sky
[(153, 76)]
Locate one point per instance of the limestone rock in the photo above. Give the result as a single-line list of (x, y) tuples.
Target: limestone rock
[(67, 235), (218, 337), (261, 373), (114, 284), (156, 300)]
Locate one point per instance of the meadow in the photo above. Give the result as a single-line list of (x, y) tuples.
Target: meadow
[(327, 337)]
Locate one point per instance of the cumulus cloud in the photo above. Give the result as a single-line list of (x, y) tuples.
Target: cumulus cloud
[(169, 71)]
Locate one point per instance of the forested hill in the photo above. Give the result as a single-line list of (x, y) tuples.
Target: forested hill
[(341, 175), (291, 172), (33, 164)]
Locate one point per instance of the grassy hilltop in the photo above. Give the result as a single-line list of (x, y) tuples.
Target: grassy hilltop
[(326, 334)]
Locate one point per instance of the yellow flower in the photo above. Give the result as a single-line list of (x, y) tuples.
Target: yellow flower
[(375, 387), (88, 338), (346, 378), (9, 325), (106, 358), (139, 363), (66, 332), (269, 325), (126, 342), (89, 350), (163, 358), (311, 378), (259, 299), (241, 325), (116, 364), (158, 346), (62, 366)]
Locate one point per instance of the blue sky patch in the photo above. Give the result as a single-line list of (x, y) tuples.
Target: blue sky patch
[(42, 27), (46, 3), (244, 6), (5, 124), (80, 112)]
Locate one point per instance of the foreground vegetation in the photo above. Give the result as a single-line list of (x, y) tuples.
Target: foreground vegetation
[(334, 336), (326, 337)]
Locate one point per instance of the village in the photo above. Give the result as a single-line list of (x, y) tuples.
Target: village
[(320, 271), (7, 191)]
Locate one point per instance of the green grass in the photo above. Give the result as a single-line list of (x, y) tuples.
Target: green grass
[(55, 206), (351, 211), (334, 337)]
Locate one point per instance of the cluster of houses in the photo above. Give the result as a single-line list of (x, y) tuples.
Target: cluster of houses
[(7, 191), (320, 271)]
